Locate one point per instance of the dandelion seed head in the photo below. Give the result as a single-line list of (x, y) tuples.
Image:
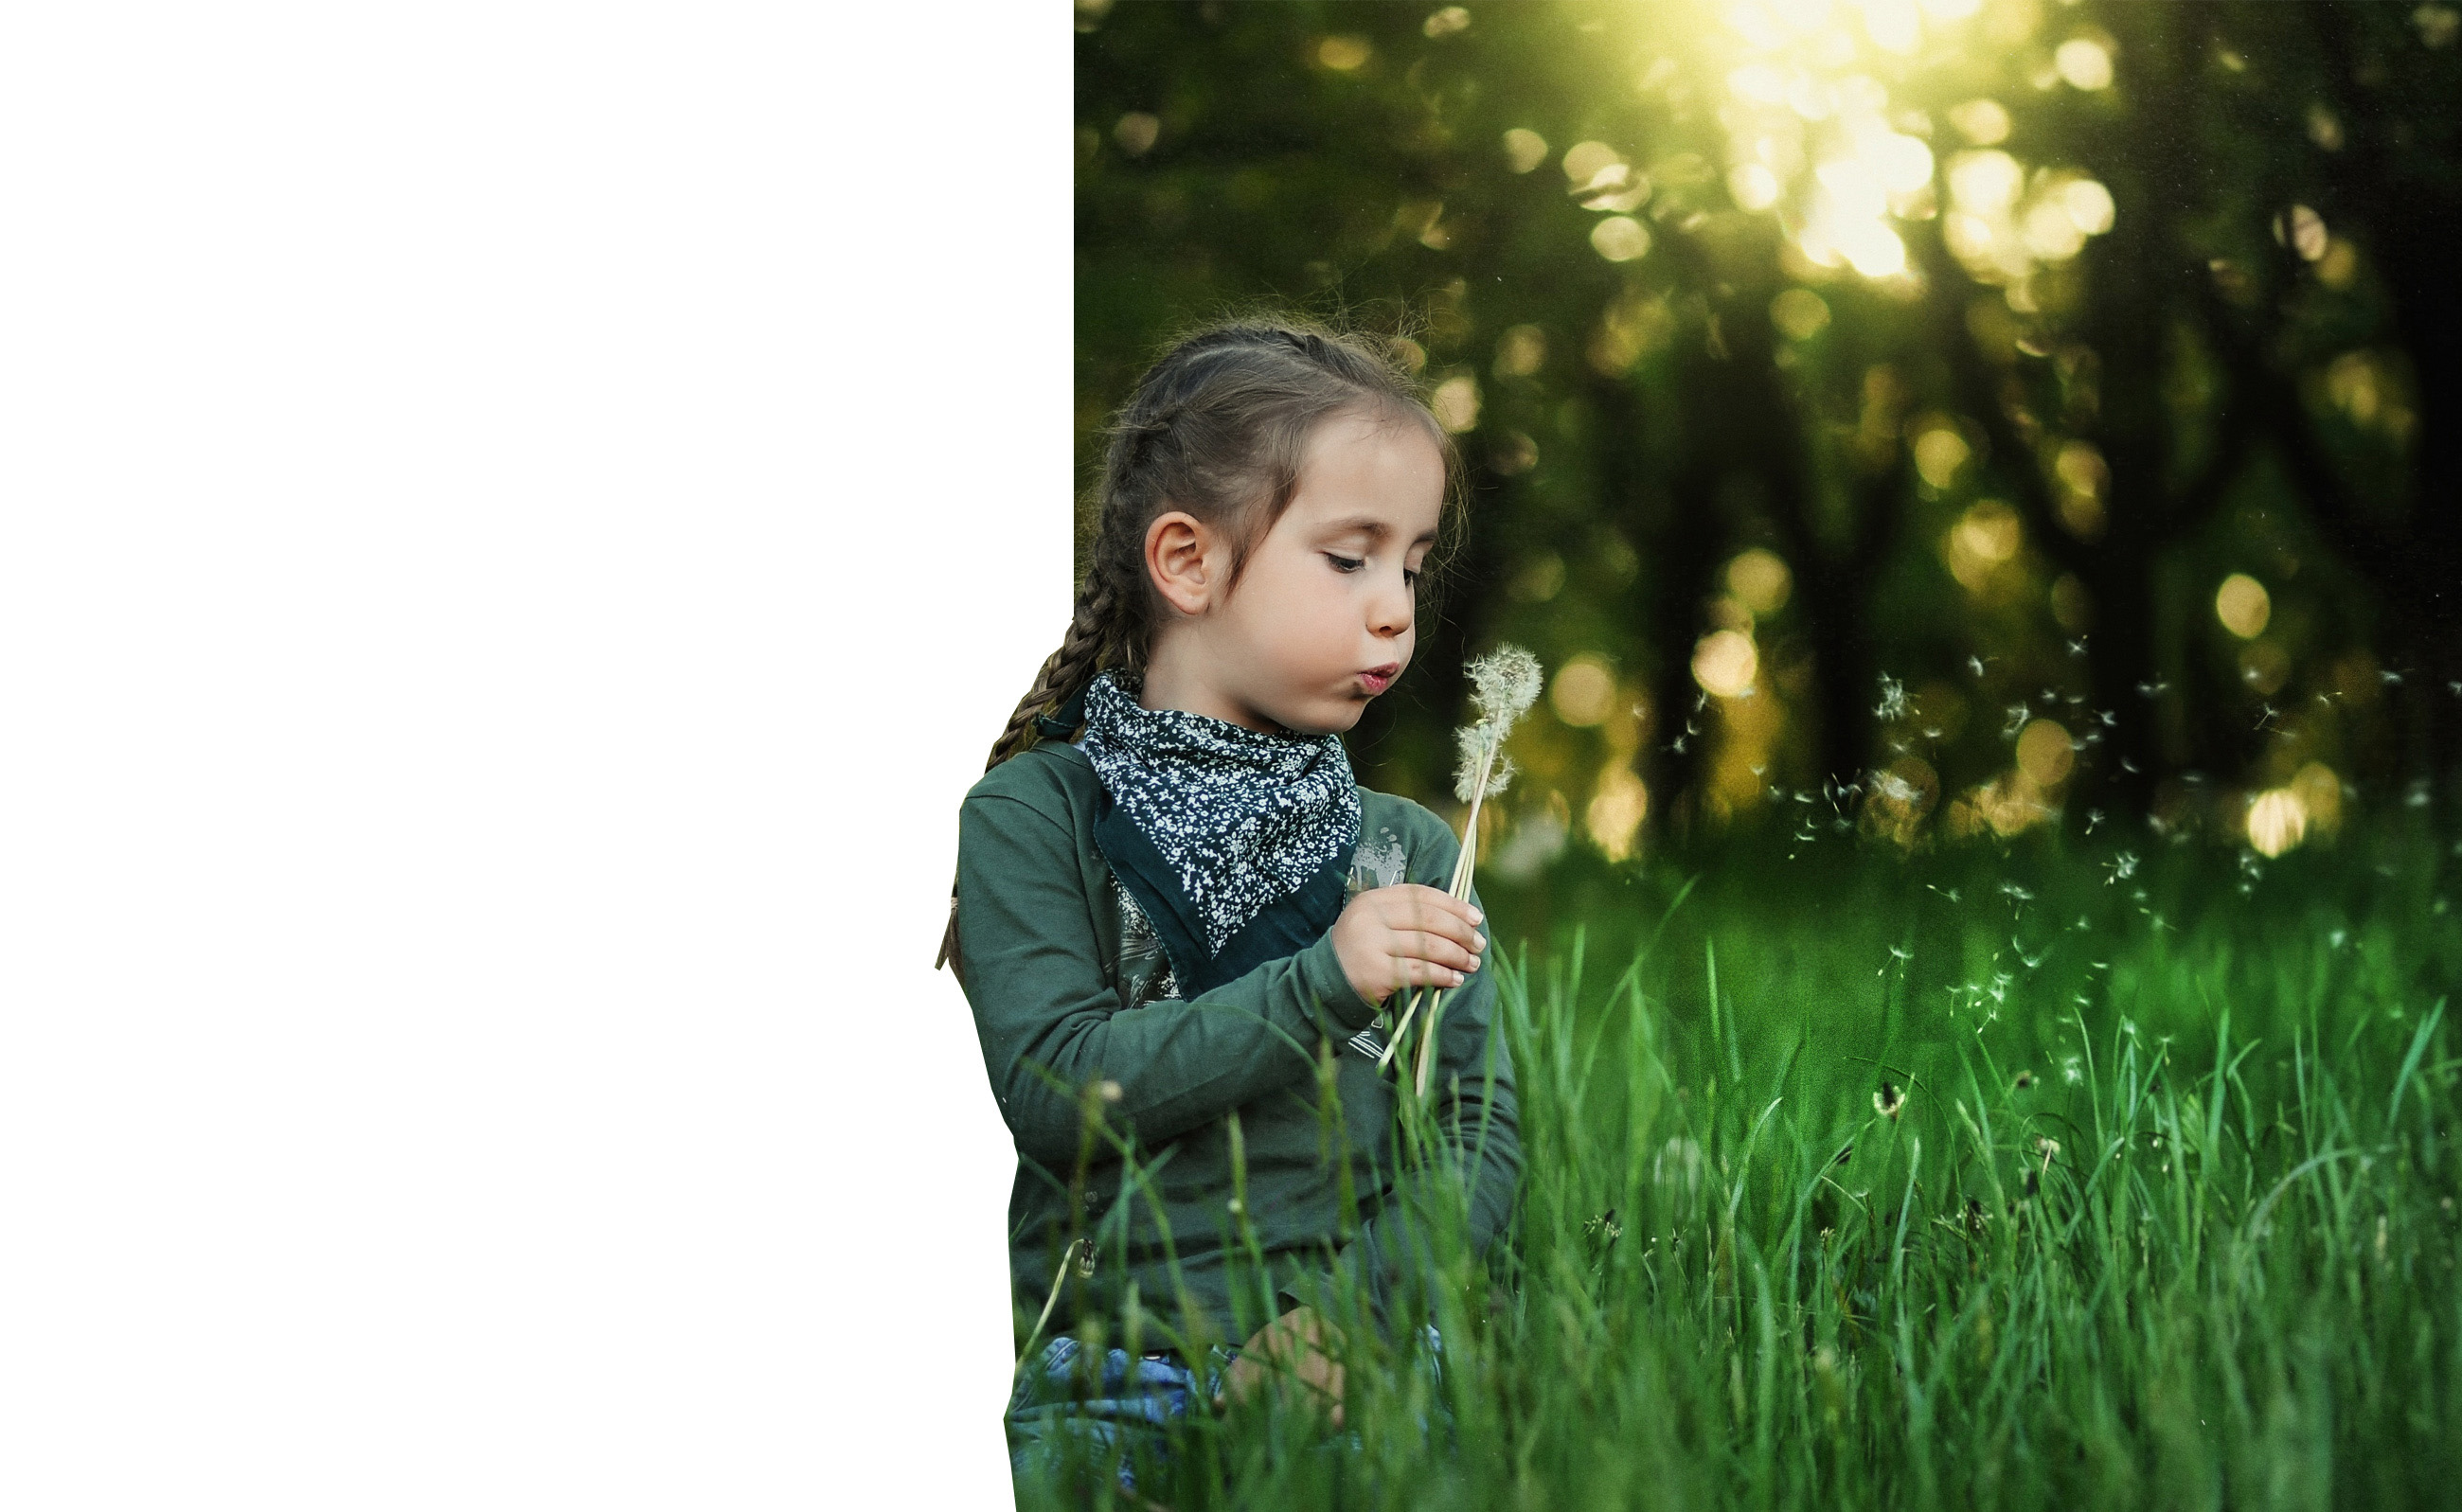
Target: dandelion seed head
[(1503, 774), (1504, 686)]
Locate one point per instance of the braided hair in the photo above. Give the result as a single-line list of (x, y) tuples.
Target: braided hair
[(1217, 426)]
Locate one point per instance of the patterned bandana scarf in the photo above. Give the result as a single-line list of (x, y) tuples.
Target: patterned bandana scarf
[(1243, 817)]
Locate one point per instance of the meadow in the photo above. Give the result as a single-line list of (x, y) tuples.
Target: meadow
[(2108, 1172)]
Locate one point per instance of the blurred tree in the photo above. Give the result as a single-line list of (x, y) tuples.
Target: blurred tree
[(2001, 335)]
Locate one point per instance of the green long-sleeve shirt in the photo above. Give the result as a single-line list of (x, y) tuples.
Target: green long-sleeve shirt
[(1053, 982)]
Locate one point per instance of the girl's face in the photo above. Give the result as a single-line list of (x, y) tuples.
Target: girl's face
[(1322, 619)]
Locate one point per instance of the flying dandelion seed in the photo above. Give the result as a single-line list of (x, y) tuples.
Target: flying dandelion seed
[(1893, 698), (2017, 721), (2391, 680), (2123, 866), (2072, 1071), (2154, 689), (2077, 647), (1976, 663), (1888, 1102)]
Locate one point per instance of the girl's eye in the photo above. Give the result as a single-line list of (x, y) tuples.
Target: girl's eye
[(1411, 577), (1344, 564)]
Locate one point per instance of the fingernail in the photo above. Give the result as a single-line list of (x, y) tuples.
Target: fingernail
[(1459, 979), (1474, 963), (1479, 941), (1478, 917)]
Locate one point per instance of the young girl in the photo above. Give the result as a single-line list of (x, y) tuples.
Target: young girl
[(1180, 921)]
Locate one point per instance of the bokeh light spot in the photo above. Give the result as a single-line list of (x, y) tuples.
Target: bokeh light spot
[(2243, 606), (1344, 53), (1519, 351), (1455, 403), (1620, 239), (1725, 663), (1135, 131), (1984, 122), (1583, 692), (2045, 752), (1799, 314), (1525, 149), (1985, 536), (1939, 452), (2277, 820), (1760, 581), (1752, 185), (1616, 810), (1584, 159), (2084, 62)]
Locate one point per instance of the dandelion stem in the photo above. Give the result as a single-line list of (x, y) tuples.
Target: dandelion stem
[(1459, 889), (1068, 1259)]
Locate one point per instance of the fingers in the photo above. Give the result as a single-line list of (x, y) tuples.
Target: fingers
[(1430, 912), (1413, 971), (1442, 949)]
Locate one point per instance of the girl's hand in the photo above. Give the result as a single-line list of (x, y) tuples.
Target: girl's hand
[(1303, 1341), (1406, 936)]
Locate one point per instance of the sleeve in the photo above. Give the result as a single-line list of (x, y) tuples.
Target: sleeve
[(1478, 1156), (1041, 999)]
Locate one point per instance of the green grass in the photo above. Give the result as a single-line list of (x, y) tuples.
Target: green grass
[(2200, 1254)]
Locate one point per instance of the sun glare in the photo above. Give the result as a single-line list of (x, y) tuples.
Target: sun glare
[(1816, 138)]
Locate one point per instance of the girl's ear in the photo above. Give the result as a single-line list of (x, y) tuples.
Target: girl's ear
[(1185, 561)]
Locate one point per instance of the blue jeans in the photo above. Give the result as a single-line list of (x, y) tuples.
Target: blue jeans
[(1133, 1401)]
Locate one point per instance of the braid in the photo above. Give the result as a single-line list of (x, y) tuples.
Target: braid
[(1092, 630)]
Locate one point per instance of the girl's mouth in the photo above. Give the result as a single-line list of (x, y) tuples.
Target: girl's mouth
[(1378, 679)]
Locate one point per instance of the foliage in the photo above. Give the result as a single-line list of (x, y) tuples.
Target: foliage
[(1810, 349), (2037, 1181)]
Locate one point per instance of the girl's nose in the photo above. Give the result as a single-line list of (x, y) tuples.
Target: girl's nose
[(1391, 613)]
